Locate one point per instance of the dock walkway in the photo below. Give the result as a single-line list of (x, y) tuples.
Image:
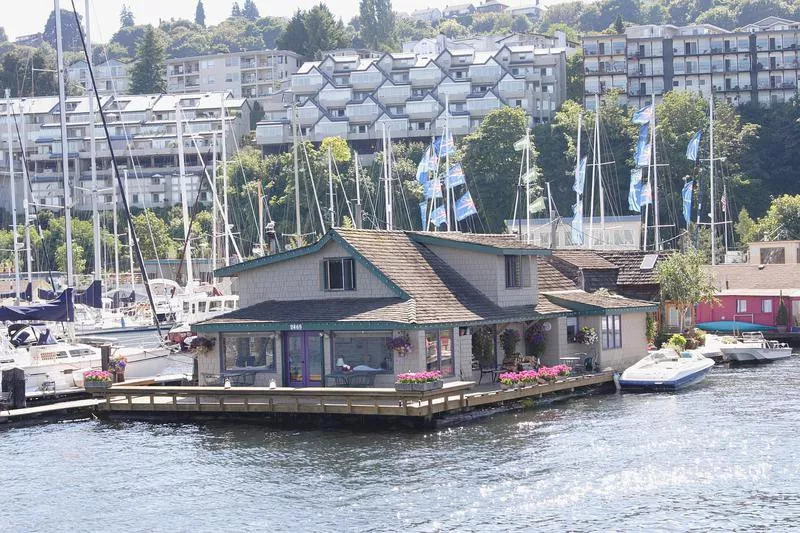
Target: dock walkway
[(60, 410)]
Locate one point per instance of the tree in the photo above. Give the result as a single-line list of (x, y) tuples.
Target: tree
[(338, 146), (619, 27), (377, 23), (147, 75), (126, 17), (250, 11), (294, 36), (452, 29), (575, 77), (236, 10), (521, 24), (492, 163), (322, 31), (685, 281), (153, 235), (3, 36), (70, 35), (200, 14), (782, 219), (78, 258), (746, 228)]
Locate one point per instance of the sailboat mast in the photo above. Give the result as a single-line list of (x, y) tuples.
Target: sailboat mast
[(98, 268), (62, 111), (331, 214), (578, 153), (184, 198), (214, 206), (388, 174), (298, 233), (711, 178), (130, 238), (227, 245), (447, 157), (600, 177), (116, 239), (656, 217), (13, 180), (28, 195), (528, 186), (357, 221), (595, 166)]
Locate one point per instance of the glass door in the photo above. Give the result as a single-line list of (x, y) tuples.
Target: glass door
[(304, 358)]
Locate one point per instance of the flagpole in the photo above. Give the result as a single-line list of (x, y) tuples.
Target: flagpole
[(527, 185), (656, 218), (447, 156), (711, 177)]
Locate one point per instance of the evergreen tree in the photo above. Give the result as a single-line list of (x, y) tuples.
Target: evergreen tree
[(71, 38), (147, 75), (200, 14), (322, 30), (294, 36), (126, 17), (377, 23), (619, 27), (250, 11), (236, 10)]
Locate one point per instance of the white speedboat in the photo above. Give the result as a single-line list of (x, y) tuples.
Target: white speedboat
[(754, 348), (666, 370)]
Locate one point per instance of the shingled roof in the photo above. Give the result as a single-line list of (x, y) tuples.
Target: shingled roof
[(549, 278), (629, 263), (746, 276), (498, 242), (596, 303), (584, 259)]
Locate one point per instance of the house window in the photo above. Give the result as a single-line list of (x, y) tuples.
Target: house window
[(155, 198), (741, 306), (766, 306), (773, 256), (611, 331), (439, 352), (363, 351), (513, 271), (572, 328), (339, 274), (242, 351), (135, 199)]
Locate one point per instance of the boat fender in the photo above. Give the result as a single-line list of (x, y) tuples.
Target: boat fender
[(616, 382)]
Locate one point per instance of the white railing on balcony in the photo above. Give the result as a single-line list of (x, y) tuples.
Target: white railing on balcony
[(395, 126), (456, 90), (366, 80), (391, 94), (510, 87), (422, 107), (325, 128), (306, 83), (365, 111), (270, 133), (330, 97), (424, 76), (458, 125), (482, 105), (306, 114), (484, 72)]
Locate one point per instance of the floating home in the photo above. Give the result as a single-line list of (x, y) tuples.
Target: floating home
[(313, 314)]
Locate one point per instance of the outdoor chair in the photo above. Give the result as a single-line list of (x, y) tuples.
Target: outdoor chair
[(477, 366)]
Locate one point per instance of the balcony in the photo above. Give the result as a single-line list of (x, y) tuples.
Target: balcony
[(330, 97), (365, 112), (424, 77), (458, 125), (484, 73), (423, 108), (393, 94), (325, 128), (482, 106), (510, 88), (306, 83), (365, 80), (457, 91)]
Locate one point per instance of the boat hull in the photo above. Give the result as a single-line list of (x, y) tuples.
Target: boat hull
[(754, 354), (670, 385)]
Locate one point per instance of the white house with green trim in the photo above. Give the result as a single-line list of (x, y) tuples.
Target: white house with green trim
[(311, 313)]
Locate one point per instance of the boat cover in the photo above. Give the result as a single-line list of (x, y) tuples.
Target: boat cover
[(26, 295), (58, 310), (92, 296), (732, 326)]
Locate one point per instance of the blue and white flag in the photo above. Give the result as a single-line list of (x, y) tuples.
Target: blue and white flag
[(694, 146), (465, 207), (446, 147), (455, 176), (423, 169), (438, 216), (633, 191), (645, 193), (433, 189), (641, 156), (580, 176), (686, 195), (643, 116), (423, 211), (577, 224)]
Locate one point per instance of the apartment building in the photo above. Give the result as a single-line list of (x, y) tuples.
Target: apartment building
[(111, 77), (354, 98), (143, 133), (254, 75), (756, 63)]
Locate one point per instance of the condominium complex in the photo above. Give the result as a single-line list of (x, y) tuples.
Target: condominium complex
[(111, 77), (143, 133), (354, 98), (254, 75), (756, 63)]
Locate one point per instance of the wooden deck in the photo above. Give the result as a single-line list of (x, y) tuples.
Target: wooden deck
[(60, 410), (452, 397)]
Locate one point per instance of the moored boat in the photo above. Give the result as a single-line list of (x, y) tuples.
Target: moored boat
[(666, 370), (754, 348)]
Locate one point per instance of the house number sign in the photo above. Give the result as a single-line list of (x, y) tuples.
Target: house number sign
[(295, 327)]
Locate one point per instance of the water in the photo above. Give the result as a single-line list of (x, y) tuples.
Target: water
[(718, 457)]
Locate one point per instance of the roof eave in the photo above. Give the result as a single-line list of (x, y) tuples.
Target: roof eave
[(475, 247)]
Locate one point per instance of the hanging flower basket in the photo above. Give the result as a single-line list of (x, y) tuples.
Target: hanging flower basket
[(401, 345)]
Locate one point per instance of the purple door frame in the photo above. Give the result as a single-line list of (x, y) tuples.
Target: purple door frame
[(305, 359)]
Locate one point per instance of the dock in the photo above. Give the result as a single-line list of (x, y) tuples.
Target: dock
[(50, 412)]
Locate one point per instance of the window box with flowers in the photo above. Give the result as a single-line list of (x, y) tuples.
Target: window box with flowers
[(419, 381), (97, 380)]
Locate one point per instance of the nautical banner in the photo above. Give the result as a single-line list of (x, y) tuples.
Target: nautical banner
[(521, 144), (423, 169), (643, 116), (536, 205), (465, 207), (641, 156), (423, 211), (433, 189), (686, 195), (446, 147), (438, 216), (580, 176), (455, 176), (633, 191), (645, 193), (724, 203), (693, 146), (529, 176), (577, 223)]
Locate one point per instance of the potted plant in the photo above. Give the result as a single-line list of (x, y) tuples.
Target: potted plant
[(509, 339), (97, 380), (202, 345), (401, 345), (548, 374), (509, 380), (116, 365), (782, 318), (419, 381), (535, 341), (587, 336)]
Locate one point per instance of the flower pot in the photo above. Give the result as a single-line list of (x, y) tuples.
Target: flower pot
[(119, 376), (96, 386), (404, 386), (419, 387)]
